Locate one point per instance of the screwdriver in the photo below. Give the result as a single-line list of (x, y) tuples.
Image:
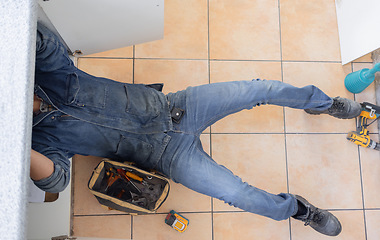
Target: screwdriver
[(111, 179), (121, 174), (137, 178)]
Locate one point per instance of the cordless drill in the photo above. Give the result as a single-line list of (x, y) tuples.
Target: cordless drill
[(361, 135)]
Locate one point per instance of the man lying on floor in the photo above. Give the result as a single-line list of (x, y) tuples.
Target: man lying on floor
[(76, 113)]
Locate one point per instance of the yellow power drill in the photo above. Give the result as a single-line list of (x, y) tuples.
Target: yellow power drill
[(361, 135)]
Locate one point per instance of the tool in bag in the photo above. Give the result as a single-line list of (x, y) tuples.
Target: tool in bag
[(127, 188), (361, 135)]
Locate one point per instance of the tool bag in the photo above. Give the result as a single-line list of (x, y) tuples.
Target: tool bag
[(123, 187)]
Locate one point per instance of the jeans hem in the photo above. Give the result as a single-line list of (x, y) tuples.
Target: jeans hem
[(295, 205)]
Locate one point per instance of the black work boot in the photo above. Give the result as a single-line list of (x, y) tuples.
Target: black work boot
[(321, 220), (342, 108)]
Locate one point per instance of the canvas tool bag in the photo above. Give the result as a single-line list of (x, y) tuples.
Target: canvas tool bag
[(138, 192)]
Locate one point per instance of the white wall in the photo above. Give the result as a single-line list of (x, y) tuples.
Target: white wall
[(17, 56)]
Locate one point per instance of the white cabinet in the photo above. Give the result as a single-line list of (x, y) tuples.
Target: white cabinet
[(47, 220), (358, 23), (93, 26)]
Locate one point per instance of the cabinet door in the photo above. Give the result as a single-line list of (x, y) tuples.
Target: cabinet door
[(92, 26), (358, 23)]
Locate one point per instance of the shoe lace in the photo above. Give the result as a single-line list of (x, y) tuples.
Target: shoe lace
[(337, 106), (314, 216)]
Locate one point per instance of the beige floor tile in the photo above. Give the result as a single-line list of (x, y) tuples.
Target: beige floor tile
[(309, 30), (225, 71), (84, 202), (330, 78), (356, 66), (182, 199), (263, 119), (366, 58), (297, 121), (253, 158), (205, 140), (153, 227), (102, 227), (175, 74), (352, 228), (244, 226), (126, 52), (248, 30), (115, 69), (185, 32), (370, 160), (260, 119), (324, 168), (327, 76), (219, 205), (373, 224)]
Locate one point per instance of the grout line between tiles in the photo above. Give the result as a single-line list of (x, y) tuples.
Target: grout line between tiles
[(360, 172), (372, 209), (284, 112), (209, 81), (72, 196), (215, 59), (362, 190), (219, 211), (116, 58), (131, 227), (133, 82), (277, 133), (133, 64)]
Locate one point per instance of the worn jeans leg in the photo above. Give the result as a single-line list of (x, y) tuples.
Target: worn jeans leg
[(195, 169), (207, 104), (186, 162)]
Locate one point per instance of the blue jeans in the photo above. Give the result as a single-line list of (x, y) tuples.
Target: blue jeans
[(185, 162)]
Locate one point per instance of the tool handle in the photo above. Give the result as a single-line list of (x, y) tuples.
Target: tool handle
[(124, 175), (134, 176), (375, 69), (112, 179)]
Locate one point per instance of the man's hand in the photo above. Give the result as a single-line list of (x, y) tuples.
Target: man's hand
[(40, 166)]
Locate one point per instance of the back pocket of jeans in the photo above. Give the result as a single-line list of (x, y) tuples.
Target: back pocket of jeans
[(142, 101), (86, 92)]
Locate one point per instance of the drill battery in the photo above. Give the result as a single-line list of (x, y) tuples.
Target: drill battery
[(361, 135)]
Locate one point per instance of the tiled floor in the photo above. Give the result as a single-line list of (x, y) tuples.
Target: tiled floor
[(280, 150)]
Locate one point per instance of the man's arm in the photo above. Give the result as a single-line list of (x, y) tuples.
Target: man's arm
[(50, 168), (40, 166)]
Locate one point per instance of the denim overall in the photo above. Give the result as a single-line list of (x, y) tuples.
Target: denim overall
[(132, 122)]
